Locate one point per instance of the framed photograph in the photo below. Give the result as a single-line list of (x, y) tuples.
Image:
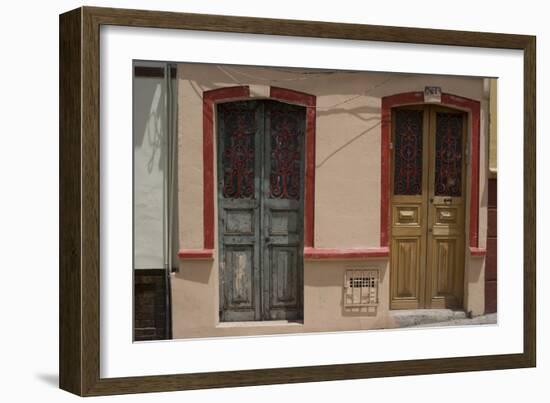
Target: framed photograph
[(251, 201)]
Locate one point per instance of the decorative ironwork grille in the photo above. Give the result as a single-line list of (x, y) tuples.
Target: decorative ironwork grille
[(448, 154), (238, 153), (287, 134), (408, 152)]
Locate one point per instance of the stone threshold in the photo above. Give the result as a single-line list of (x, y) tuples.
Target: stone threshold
[(267, 323), (416, 317)]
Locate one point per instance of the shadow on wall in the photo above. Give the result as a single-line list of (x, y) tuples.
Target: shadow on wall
[(196, 271), (351, 99), (346, 144), (150, 111)]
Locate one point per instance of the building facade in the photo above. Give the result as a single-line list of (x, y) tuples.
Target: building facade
[(313, 200)]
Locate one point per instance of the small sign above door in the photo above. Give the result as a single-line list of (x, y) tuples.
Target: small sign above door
[(432, 95)]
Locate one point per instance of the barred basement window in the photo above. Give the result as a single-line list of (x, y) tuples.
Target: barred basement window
[(361, 291), (362, 282)]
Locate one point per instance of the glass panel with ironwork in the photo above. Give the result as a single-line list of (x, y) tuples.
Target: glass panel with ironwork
[(448, 154), (238, 154), (287, 138), (408, 152)]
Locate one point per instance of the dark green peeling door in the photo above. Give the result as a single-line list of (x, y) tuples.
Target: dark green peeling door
[(260, 210)]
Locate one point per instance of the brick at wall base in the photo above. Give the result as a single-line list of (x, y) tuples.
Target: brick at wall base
[(490, 296), (150, 310), (491, 260)]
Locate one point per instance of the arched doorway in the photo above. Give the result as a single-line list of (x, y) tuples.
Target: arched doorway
[(428, 199)]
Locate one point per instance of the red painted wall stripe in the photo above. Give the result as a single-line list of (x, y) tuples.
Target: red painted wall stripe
[(478, 251), (196, 254), (335, 254), (411, 98), (310, 102), (209, 98)]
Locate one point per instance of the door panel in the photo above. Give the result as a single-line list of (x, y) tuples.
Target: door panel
[(239, 300), (406, 258), (446, 209), (284, 284), (240, 130), (282, 211), (239, 221), (409, 184), (260, 210), (283, 222), (445, 253), (427, 257)]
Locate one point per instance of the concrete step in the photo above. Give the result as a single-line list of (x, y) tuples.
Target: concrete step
[(416, 317), (488, 319)]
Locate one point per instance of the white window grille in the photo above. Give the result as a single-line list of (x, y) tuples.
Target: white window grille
[(361, 291)]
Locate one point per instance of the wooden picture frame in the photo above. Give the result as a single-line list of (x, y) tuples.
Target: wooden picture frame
[(79, 201)]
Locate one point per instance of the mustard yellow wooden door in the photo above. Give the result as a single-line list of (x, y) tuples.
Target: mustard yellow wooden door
[(428, 199)]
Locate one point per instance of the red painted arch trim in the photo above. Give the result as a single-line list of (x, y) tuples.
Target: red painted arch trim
[(210, 98), (411, 98), (342, 254), (310, 102)]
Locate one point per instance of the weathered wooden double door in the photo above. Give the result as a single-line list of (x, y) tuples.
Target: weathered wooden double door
[(260, 210), (428, 199)]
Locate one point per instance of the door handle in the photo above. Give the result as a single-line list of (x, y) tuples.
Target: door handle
[(430, 229)]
